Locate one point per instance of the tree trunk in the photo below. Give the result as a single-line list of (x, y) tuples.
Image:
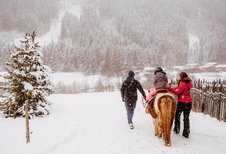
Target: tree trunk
[(27, 122)]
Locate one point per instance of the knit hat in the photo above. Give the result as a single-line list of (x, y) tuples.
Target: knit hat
[(131, 74), (158, 69)]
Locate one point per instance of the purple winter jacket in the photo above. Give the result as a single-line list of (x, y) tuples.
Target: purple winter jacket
[(160, 80)]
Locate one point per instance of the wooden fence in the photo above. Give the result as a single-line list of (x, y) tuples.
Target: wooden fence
[(209, 98)]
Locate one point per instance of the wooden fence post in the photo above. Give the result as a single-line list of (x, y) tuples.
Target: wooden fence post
[(27, 122), (210, 98)]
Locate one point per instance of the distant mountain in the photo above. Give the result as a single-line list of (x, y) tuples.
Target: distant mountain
[(111, 36)]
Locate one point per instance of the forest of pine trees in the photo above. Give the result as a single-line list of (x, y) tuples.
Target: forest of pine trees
[(126, 34), (15, 13)]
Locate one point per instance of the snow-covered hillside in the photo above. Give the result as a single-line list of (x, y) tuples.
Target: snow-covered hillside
[(55, 29), (89, 36), (194, 47), (96, 123)]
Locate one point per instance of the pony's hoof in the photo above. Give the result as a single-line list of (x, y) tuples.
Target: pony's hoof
[(168, 144)]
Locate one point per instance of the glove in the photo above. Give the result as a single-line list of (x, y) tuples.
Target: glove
[(144, 98)]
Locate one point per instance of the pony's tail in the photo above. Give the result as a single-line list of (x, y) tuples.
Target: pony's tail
[(167, 113)]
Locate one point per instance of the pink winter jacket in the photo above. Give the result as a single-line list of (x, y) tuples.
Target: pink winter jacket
[(183, 90)]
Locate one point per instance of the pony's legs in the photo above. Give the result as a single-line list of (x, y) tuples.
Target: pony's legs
[(156, 127), (167, 113), (159, 127)]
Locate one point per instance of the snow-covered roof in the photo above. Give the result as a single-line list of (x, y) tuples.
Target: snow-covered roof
[(221, 66), (209, 64), (148, 69), (178, 67)]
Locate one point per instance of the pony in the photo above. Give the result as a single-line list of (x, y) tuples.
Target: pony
[(162, 110)]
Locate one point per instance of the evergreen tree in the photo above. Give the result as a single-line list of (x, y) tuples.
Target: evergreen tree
[(28, 79)]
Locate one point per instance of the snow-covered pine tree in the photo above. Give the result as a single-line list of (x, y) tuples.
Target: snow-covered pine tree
[(28, 78)]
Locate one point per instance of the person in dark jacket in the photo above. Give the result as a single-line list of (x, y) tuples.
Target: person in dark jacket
[(129, 95), (184, 103)]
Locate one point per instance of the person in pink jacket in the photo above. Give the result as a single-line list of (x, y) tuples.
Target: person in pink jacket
[(184, 103)]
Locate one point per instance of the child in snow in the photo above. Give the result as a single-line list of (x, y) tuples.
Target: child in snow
[(160, 82)]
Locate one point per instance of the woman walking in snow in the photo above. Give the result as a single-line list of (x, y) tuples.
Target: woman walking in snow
[(184, 103), (129, 95)]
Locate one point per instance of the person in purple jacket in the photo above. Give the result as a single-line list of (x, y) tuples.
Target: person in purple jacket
[(160, 83)]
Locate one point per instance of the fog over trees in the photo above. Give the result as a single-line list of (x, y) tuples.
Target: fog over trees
[(111, 36)]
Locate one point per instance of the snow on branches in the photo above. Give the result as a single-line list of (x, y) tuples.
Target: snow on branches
[(28, 79)]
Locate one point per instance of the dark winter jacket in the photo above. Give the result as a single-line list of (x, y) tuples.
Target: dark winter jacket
[(129, 90), (183, 90), (160, 80)]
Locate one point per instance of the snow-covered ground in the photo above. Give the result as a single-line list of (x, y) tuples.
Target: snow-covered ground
[(95, 123), (83, 83), (69, 77)]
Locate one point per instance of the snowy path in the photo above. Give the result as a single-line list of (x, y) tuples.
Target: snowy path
[(95, 123)]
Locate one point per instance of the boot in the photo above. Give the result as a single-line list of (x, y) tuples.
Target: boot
[(176, 129), (131, 126), (186, 133)]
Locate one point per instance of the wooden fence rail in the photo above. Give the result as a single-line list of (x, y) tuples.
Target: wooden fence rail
[(209, 98)]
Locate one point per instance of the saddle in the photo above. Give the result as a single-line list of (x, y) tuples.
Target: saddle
[(150, 108), (162, 91)]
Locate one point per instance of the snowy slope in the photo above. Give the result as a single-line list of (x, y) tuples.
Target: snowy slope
[(95, 123), (194, 47), (55, 28)]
